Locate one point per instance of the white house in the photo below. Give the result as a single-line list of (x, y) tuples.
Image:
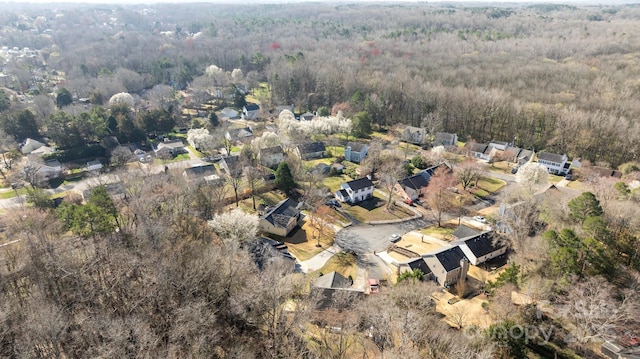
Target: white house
[(271, 156), (355, 191), (445, 139), (555, 164), (481, 248), (229, 113), (94, 165), (415, 135), (355, 152)]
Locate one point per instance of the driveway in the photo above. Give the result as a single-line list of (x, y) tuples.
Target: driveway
[(365, 238)]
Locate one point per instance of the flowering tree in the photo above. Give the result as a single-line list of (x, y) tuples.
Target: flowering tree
[(323, 125), (235, 226), (201, 140), (532, 173), (236, 75), (121, 98), (268, 139)]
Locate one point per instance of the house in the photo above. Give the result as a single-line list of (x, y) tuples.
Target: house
[(48, 170), (271, 156), (481, 248), (555, 163), (250, 111), (413, 264), (445, 139), (598, 171), (322, 168), (94, 165), (465, 232), (333, 282), (229, 113), (281, 108), (205, 172), (337, 167), (311, 150), (355, 152), (232, 165), (478, 150), (30, 145), (355, 191), (243, 134), (282, 218), (412, 187), (448, 266), (116, 190), (307, 116), (170, 148), (415, 135), (265, 251)]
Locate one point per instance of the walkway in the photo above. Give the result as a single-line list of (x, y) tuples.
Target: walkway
[(318, 261)]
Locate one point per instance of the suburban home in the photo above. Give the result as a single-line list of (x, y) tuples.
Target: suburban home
[(170, 148), (205, 172), (42, 150), (328, 284), (481, 248), (337, 167), (271, 156), (478, 150), (448, 266), (555, 164), (281, 108), (30, 145), (311, 150), (322, 168), (463, 232), (232, 165), (229, 113), (355, 191), (282, 218), (412, 187), (518, 155), (94, 165), (332, 280), (415, 135), (265, 250), (413, 264), (445, 139), (239, 134), (48, 170), (116, 190), (250, 111), (598, 171), (307, 116), (355, 152)]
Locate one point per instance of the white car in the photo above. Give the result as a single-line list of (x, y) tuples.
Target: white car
[(480, 219), (394, 238)]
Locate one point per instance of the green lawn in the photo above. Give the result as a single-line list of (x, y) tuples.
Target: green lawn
[(334, 182), (12, 193), (268, 198), (312, 163), (343, 263), (302, 242), (487, 186), (375, 209), (443, 232), (336, 151), (196, 152)]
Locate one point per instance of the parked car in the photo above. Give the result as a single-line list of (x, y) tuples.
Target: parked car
[(568, 177), (480, 219), (333, 203), (514, 170), (395, 238), (453, 300), (374, 286)]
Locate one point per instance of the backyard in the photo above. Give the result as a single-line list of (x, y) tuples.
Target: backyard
[(375, 209)]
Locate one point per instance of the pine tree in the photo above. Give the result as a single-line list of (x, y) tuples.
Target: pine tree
[(284, 179)]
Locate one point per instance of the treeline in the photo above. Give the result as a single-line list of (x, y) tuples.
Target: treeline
[(559, 78)]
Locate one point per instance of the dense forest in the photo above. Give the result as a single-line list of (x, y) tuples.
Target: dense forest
[(147, 274), (555, 77)]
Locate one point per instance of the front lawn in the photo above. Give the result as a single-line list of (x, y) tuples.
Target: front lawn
[(196, 152), (343, 263), (487, 186), (334, 182), (375, 209), (268, 198), (502, 167), (12, 193), (443, 232), (302, 242)]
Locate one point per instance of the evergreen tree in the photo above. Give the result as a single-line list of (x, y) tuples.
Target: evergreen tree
[(64, 98), (584, 206), (213, 119), (284, 179)]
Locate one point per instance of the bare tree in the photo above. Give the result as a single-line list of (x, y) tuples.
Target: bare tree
[(392, 170), (469, 172), (439, 196)]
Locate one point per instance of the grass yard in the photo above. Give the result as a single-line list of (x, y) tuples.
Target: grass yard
[(487, 186), (443, 232), (502, 167), (343, 263), (302, 244), (12, 193), (196, 152), (336, 151), (313, 163), (334, 182), (375, 209), (553, 179), (268, 198)]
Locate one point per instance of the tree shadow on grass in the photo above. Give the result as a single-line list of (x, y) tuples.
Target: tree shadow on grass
[(297, 236), (370, 204)]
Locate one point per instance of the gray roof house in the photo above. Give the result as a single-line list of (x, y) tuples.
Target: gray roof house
[(239, 134), (355, 152), (465, 232), (355, 191), (445, 139), (250, 111), (205, 172), (170, 147), (271, 156), (415, 135), (282, 218), (232, 165), (30, 145), (311, 150), (481, 248), (448, 266)]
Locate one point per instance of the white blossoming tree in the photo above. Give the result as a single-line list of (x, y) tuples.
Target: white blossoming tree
[(121, 98), (235, 226), (201, 140), (532, 173)]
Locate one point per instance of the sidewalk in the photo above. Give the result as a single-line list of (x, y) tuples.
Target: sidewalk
[(319, 260)]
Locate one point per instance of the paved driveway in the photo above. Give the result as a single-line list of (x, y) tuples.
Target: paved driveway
[(363, 239)]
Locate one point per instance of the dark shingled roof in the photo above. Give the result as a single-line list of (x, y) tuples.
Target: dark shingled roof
[(419, 264), (203, 170), (312, 147), (271, 150), (465, 232), (442, 137), (476, 147), (280, 214), (483, 244), (251, 107), (417, 181), (450, 258), (360, 183), (551, 157), (332, 280)]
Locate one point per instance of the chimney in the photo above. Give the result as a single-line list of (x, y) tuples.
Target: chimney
[(464, 268)]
